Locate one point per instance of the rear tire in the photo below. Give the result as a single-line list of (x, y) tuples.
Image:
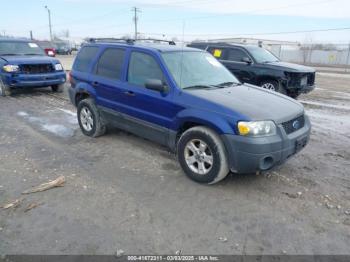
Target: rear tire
[(273, 85), (57, 88), (4, 89), (202, 155), (90, 120)]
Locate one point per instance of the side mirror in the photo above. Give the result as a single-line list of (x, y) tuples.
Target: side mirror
[(156, 85), (247, 60)]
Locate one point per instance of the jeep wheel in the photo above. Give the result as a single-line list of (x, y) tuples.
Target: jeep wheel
[(89, 118), (57, 88), (4, 90), (273, 86), (202, 155)]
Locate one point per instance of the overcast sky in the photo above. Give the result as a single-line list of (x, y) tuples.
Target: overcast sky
[(197, 19)]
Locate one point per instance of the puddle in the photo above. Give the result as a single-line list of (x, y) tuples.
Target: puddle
[(60, 122)]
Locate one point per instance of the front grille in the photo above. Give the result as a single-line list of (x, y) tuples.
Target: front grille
[(36, 69), (295, 79), (294, 124)]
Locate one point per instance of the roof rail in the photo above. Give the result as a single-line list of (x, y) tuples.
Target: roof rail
[(117, 40), (157, 40)]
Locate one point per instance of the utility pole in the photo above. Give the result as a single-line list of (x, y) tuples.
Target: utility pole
[(31, 35), (50, 27), (135, 19)]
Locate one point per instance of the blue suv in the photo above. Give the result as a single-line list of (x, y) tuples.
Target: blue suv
[(187, 100), (23, 64)]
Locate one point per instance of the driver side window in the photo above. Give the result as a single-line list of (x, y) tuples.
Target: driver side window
[(143, 67), (235, 55)]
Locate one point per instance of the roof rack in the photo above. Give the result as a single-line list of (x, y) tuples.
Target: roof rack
[(117, 40), (157, 40), (129, 41)]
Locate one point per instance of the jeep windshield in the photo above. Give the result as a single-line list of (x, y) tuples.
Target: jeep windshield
[(193, 69), (20, 48), (261, 55)]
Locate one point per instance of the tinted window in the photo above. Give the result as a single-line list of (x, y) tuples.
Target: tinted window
[(219, 53), (84, 58), (111, 63), (143, 67), (236, 55)]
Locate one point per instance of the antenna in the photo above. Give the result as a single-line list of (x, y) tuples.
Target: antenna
[(182, 49)]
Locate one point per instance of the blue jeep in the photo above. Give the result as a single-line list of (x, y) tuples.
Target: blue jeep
[(185, 99), (24, 64)]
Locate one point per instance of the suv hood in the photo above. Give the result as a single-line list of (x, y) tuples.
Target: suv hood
[(253, 102), (21, 59), (289, 67)]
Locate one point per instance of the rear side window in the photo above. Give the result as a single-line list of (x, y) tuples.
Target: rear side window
[(84, 58), (236, 55), (143, 67), (110, 64), (218, 53)]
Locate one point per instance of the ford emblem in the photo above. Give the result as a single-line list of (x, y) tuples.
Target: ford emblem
[(296, 124)]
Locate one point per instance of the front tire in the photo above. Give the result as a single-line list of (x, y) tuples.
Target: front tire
[(90, 121), (273, 85), (57, 88), (202, 155)]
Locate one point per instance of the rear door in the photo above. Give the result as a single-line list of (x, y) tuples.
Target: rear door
[(108, 78)]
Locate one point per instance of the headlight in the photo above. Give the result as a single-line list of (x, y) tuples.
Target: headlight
[(58, 67), (257, 128), (11, 68)]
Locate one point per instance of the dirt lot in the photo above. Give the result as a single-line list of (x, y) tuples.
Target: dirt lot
[(125, 193)]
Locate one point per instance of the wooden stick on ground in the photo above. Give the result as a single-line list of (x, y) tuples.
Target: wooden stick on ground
[(46, 186), (13, 204)]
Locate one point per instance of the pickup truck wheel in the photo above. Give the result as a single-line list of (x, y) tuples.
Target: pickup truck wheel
[(57, 88), (273, 85), (202, 155), (4, 89), (90, 121)]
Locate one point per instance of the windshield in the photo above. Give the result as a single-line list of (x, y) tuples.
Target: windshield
[(197, 69), (261, 55), (20, 48)]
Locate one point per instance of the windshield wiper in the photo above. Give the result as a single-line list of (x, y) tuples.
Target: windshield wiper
[(197, 87), (8, 54), (228, 84), (33, 54)]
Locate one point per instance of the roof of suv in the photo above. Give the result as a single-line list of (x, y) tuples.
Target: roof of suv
[(222, 44), (150, 46)]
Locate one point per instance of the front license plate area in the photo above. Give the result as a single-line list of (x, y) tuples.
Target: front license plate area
[(300, 143), (303, 81)]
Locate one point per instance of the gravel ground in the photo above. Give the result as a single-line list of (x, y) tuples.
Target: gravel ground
[(126, 193)]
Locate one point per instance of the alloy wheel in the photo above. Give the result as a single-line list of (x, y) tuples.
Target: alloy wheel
[(198, 156), (86, 119)]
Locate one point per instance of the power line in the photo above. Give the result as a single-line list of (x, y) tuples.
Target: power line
[(241, 13), (270, 33)]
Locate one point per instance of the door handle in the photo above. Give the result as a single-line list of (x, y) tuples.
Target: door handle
[(95, 84), (129, 93)]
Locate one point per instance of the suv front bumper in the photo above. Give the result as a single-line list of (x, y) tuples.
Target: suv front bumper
[(34, 80), (251, 154)]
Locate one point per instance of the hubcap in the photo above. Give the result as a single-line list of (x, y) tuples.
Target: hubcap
[(198, 156), (86, 119), (269, 86)]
